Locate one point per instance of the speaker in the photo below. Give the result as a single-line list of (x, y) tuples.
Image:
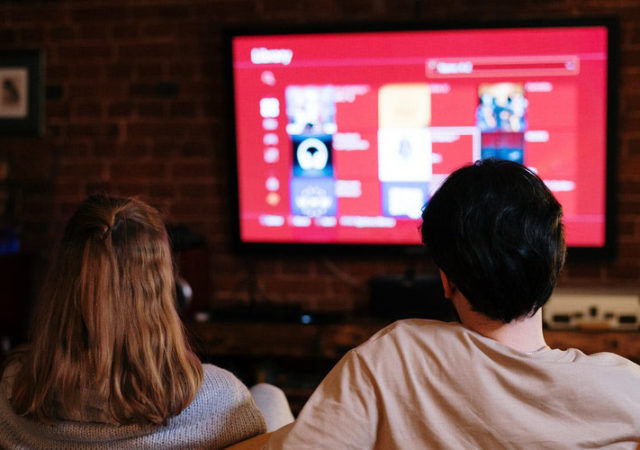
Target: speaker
[(409, 296)]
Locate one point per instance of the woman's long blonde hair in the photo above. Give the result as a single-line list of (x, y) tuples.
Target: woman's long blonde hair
[(107, 322)]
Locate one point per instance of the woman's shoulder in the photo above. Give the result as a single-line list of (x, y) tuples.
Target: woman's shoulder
[(8, 374), (220, 389), (222, 400), (217, 378)]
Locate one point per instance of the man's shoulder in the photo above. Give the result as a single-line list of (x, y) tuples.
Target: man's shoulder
[(609, 362), (412, 332), (418, 327)]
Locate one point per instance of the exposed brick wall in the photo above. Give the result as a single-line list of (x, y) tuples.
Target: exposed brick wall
[(135, 106)]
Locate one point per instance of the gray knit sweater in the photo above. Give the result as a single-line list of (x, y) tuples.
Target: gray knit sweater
[(222, 413)]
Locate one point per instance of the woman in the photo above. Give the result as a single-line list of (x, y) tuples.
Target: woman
[(109, 366)]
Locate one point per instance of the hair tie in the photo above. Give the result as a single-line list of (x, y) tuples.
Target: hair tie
[(106, 233)]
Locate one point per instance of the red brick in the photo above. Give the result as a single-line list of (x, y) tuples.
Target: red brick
[(161, 191), (84, 170), (7, 36), (630, 58), (630, 207), (104, 149), (36, 188), (234, 297), (590, 271), (629, 252), (630, 80), (60, 33), (149, 129), (93, 32), (125, 31), (99, 187), (132, 149), (99, 14), (58, 109), (297, 267), (57, 71), (211, 108), (79, 53), (54, 130), (27, 13), (634, 35), (627, 228), (149, 71), (632, 146), (109, 90), (352, 269), (147, 51), (183, 69), (195, 148), (37, 208), (137, 170), (154, 89), (227, 10), (106, 129), (624, 271), (151, 109), (630, 122), (183, 109), (120, 109), (88, 109), (119, 70), (187, 208), (68, 189), (76, 150), (129, 188), (294, 289), (630, 103), (171, 12), (280, 9), (32, 35), (196, 89), (164, 149), (67, 208), (158, 29), (189, 190), (629, 186), (203, 169)]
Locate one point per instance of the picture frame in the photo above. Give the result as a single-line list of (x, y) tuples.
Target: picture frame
[(21, 93)]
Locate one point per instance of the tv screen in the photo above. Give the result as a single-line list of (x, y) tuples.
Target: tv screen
[(341, 137)]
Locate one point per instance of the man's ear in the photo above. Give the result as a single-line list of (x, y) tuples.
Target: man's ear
[(447, 284)]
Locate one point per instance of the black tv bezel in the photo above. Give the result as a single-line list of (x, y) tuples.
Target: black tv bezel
[(575, 253)]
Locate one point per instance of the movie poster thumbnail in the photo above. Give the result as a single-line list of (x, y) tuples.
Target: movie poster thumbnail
[(501, 107), (501, 116)]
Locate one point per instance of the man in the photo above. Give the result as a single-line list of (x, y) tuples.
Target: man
[(494, 230)]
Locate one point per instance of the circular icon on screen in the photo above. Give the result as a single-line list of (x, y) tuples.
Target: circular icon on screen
[(314, 201), (273, 199), (312, 154)]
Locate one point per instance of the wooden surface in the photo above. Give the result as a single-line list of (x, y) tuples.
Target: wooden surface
[(332, 341)]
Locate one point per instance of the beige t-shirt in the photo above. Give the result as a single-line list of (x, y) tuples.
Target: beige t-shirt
[(428, 384)]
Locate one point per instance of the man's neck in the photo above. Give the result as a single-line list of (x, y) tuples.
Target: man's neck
[(523, 334)]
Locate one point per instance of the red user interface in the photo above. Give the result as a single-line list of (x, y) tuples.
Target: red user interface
[(343, 138)]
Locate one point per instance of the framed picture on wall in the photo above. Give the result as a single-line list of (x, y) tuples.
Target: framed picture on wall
[(21, 93)]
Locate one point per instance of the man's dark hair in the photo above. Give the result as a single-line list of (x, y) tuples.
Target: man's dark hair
[(495, 230)]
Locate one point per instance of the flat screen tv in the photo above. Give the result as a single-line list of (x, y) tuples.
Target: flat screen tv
[(340, 136)]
